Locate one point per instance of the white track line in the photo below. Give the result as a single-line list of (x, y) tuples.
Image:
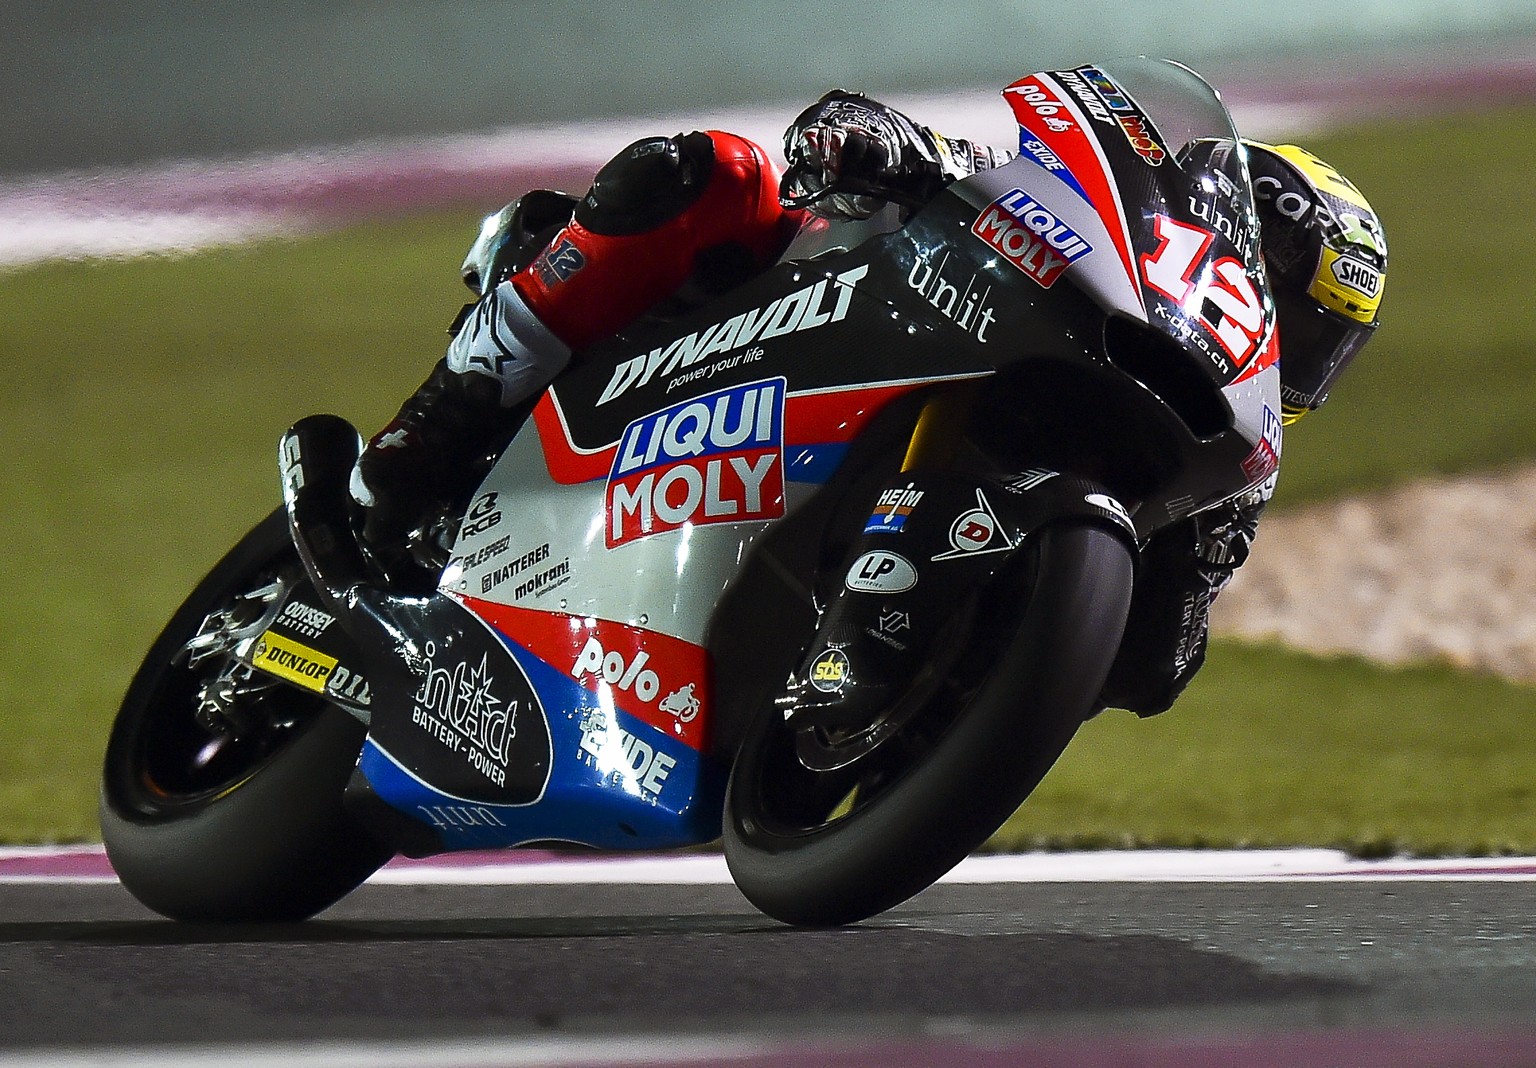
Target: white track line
[(432, 1053), (1112, 866), (87, 865)]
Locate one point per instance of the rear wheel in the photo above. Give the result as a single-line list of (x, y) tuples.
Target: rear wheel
[(222, 787), (817, 839)]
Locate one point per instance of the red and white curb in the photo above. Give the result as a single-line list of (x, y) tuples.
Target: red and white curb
[(88, 864)]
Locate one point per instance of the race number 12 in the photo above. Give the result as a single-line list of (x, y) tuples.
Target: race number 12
[(1226, 289)]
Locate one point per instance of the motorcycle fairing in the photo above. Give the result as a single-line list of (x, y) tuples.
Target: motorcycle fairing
[(613, 780), (934, 539), (828, 345), (509, 740), (1187, 261), (463, 717), (473, 740), (301, 644)]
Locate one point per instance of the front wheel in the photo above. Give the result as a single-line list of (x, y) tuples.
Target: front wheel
[(826, 847), (222, 788)]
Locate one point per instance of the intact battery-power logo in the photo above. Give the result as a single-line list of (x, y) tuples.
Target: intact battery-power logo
[(714, 459)]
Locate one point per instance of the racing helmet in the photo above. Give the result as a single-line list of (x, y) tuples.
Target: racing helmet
[(1326, 256)]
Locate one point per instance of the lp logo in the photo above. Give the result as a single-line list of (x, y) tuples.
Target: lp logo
[(881, 572)]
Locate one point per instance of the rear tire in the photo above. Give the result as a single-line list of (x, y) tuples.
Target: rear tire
[(232, 826), (802, 853)]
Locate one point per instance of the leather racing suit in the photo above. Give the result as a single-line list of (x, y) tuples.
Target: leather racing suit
[(673, 220)]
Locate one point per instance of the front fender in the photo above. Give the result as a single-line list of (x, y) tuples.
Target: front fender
[(932, 542)]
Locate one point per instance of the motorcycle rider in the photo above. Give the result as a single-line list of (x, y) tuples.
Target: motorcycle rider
[(674, 220)]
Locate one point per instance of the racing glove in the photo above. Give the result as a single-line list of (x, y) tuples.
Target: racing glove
[(850, 155)]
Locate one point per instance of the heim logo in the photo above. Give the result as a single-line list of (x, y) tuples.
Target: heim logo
[(891, 513), (1030, 236), (714, 459)]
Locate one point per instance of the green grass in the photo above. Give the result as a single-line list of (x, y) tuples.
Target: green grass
[(1449, 382), (1275, 748), (139, 429), (144, 400)]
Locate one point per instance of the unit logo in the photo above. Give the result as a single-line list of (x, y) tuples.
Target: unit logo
[(881, 572), (1030, 236), (967, 308), (715, 459)]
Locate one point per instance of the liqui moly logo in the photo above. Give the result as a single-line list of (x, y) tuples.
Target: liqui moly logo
[(1030, 236), (714, 459)]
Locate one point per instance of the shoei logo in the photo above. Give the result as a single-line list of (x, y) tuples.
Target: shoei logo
[(1361, 277), (714, 459), (1030, 236), (891, 513)]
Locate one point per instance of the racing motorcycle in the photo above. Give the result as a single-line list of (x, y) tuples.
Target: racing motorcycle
[(830, 567)]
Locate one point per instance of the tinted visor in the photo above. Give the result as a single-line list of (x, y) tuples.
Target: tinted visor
[(1315, 346)]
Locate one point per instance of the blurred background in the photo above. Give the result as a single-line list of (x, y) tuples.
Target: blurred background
[(94, 82), (309, 174)]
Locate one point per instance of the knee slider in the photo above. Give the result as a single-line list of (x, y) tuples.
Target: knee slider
[(650, 182)]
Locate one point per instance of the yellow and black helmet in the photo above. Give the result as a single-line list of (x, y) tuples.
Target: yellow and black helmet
[(1326, 255)]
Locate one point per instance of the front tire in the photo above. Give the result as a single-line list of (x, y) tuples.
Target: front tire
[(232, 822), (824, 848)]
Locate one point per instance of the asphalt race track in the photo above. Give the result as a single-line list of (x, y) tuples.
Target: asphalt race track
[(1403, 967)]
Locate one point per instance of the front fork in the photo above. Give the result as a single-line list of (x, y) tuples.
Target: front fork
[(936, 534)]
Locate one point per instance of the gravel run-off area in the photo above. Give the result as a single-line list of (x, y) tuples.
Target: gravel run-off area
[(1439, 569)]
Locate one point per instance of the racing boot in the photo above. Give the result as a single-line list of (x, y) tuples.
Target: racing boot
[(1182, 571), (440, 444)]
